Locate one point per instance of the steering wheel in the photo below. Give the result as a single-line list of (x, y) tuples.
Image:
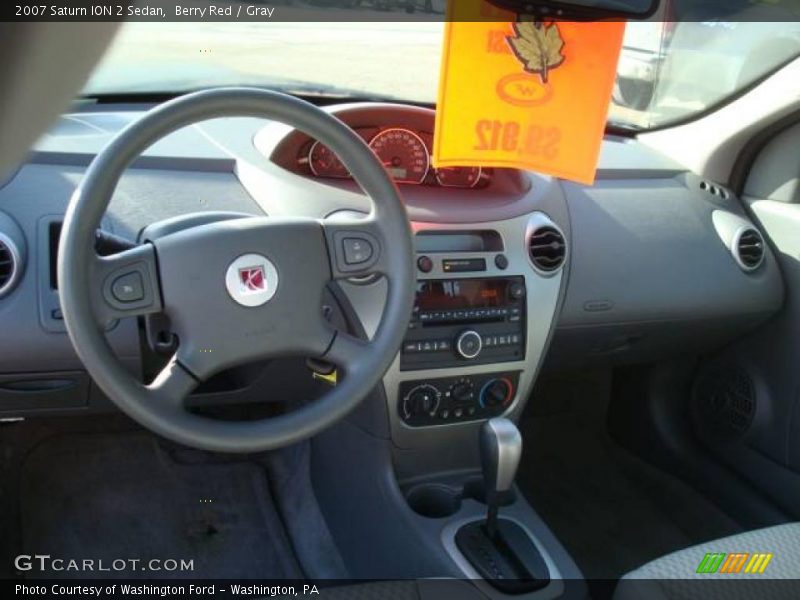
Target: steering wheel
[(236, 290)]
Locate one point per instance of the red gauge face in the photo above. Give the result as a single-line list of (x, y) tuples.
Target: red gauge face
[(403, 154), (324, 163), (465, 177)]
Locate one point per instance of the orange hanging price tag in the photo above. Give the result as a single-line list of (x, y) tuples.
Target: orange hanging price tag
[(524, 94)]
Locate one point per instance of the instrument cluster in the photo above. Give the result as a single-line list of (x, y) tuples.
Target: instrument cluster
[(404, 153)]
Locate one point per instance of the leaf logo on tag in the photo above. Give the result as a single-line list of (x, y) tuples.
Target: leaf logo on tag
[(538, 47)]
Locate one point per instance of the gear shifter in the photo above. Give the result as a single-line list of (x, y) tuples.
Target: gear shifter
[(501, 448), (500, 549)]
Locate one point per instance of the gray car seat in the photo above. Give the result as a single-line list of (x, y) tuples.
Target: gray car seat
[(689, 573)]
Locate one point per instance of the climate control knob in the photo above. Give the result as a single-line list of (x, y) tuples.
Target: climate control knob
[(496, 393), (462, 391), (421, 400), (469, 344)]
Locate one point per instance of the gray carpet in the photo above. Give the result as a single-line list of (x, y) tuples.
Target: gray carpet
[(125, 496), (612, 511)]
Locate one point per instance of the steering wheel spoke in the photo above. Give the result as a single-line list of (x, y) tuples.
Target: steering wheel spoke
[(347, 351), (173, 384), (126, 284), (356, 247)]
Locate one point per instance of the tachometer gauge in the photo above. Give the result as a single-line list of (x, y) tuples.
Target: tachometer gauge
[(403, 154), (464, 177), (324, 163)]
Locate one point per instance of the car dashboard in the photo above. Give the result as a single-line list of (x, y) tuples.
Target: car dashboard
[(517, 271)]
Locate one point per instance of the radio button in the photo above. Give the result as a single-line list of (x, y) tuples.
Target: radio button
[(425, 264), (410, 347), (469, 344)]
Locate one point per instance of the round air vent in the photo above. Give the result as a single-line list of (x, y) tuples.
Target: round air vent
[(748, 248), (9, 265), (547, 248)]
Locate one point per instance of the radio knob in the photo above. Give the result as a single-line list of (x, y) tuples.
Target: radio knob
[(496, 392), (516, 291), (422, 400), (469, 344)]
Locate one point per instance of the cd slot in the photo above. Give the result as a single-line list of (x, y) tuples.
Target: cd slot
[(463, 321)]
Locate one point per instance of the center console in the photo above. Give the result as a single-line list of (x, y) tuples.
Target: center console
[(481, 319), (456, 323), (486, 301)]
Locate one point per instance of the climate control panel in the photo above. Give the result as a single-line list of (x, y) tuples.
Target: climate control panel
[(456, 399)]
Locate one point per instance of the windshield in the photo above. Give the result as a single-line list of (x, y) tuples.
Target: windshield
[(667, 71)]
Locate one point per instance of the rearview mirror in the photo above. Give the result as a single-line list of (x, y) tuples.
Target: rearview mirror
[(581, 10)]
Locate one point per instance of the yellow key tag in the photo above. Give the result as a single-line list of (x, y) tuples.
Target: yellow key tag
[(524, 94), (331, 378)]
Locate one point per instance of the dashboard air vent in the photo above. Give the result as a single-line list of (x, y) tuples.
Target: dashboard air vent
[(748, 249), (9, 265), (547, 248)]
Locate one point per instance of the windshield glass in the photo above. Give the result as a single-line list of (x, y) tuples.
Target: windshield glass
[(667, 71)]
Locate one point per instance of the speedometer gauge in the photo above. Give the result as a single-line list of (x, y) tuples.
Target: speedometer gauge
[(403, 154), (324, 163)]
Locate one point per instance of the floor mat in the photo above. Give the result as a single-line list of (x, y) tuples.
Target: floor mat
[(125, 497), (612, 511)]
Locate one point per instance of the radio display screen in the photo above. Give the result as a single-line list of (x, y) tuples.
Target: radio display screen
[(461, 294)]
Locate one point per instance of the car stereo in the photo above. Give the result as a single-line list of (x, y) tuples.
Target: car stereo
[(459, 321)]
